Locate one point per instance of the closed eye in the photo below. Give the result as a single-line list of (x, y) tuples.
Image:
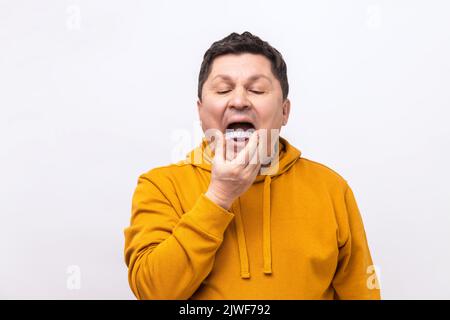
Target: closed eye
[(254, 91)]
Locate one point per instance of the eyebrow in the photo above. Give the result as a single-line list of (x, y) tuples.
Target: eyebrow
[(252, 78)]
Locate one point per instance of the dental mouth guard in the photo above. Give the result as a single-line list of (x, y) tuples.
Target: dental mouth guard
[(238, 134)]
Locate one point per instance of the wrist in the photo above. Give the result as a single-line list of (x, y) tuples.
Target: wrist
[(220, 201)]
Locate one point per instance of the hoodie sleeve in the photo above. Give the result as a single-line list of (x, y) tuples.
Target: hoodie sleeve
[(168, 253), (355, 277)]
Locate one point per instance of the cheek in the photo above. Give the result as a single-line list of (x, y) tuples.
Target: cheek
[(211, 112), (270, 113)]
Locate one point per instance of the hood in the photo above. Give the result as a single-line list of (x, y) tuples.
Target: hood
[(202, 157)]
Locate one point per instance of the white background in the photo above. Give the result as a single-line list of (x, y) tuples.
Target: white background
[(94, 93)]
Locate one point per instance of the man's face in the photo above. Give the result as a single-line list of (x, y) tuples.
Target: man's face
[(240, 95)]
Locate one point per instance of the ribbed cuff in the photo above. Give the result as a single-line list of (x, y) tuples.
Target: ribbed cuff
[(209, 216)]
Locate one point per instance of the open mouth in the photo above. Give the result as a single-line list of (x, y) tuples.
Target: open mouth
[(239, 131)]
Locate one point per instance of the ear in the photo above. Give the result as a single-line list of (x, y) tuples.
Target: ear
[(199, 105), (286, 111)]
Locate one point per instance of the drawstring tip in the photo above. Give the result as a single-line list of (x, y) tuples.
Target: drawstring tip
[(245, 275), (267, 270)]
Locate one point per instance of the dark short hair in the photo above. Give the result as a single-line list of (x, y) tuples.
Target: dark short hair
[(244, 43)]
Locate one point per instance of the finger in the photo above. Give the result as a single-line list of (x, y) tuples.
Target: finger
[(254, 165), (230, 147), (247, 153), (254, 160)]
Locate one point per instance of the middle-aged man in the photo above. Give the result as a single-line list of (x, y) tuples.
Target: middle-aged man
[(245, 215)]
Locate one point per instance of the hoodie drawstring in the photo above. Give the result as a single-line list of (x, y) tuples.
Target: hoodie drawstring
[(243, 255), (267, 254)]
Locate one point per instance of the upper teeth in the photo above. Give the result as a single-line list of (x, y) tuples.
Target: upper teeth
[(238, 134)]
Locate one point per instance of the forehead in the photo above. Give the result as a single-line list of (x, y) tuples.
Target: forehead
[(242, 65)]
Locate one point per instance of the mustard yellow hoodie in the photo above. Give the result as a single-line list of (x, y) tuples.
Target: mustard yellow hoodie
[(294, 234)]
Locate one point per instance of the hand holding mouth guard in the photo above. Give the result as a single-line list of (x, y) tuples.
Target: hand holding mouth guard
[(230, 179)]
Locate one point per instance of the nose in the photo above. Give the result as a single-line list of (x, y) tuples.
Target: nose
[(239, 99)]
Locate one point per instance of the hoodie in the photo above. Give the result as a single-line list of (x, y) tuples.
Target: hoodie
[(296, 233)]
